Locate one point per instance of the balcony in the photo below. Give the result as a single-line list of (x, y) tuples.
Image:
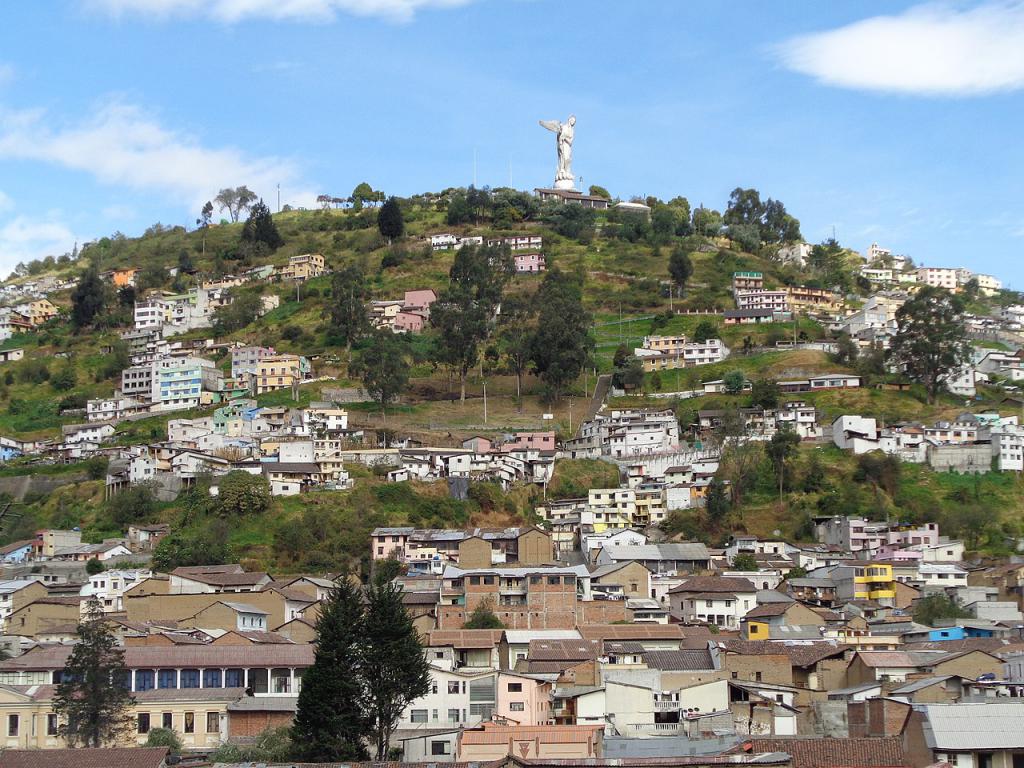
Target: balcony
[(666, 706)]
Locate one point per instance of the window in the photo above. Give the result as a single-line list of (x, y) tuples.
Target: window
[(167, 721), (190, 678), (143, 722), (453, 686), (51, 724), (489, 581), (440, 748), (453, 715), (258, 679), (211, 678), (190, 722), (757, 676), (474, 580), (554, 581), (438, 654), (144, 679), (516, 706), (234, 678), (213, 722), (167, 678), (418, 716), (515, 687), (433, 686)]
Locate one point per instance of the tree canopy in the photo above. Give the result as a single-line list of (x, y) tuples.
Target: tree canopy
[(235, 200), (563, 343), (259, 228), (87, 298), (331, 723), (382, 367), (93, 696), (390, 221), (931, 344)]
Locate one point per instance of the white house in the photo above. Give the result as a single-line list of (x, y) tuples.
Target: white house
[(109, 586)]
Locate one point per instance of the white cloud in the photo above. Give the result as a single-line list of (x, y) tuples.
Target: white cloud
[(233, 11), (5, 201), (23, 239), (936, 49), (6, 74), (120, 145)]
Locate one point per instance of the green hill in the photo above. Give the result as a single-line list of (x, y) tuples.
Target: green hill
[(624, 265)]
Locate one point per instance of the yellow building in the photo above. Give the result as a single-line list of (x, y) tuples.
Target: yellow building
[(304, 267), (611, 508), (199, 716), (41, 310), (279, 372), (200, 691), (874, 581)]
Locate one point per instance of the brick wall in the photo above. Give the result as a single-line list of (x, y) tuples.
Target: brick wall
[(773, 669), (247, 725)]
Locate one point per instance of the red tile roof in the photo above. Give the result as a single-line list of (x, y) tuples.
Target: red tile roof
[(118, 757), (810, 752)]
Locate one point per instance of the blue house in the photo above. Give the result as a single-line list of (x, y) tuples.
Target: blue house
[(959, 633), (16, 552)]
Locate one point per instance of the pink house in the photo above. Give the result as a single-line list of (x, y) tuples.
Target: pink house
[(530, 441), (420, 299), (390, 542), (530, 262), (523, 700), (409, 322), (896, 554)]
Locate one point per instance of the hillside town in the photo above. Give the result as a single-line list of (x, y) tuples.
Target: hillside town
[(484, 466)]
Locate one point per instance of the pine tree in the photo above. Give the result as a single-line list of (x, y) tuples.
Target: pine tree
[(92, 698), (390, 220), (330, 724), (88, 298), (260, 228), (397, 673)]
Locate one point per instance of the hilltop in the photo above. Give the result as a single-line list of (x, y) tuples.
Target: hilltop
[(622, 261)]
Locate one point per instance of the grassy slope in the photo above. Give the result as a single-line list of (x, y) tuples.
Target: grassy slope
[(623, 280)]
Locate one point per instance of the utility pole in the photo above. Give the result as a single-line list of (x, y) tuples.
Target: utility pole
[(484, 379)]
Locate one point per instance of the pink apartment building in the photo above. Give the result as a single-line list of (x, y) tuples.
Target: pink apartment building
[(523, 700)]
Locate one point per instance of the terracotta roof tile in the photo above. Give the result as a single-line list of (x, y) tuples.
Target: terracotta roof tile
[(144, 757), (834, 753)]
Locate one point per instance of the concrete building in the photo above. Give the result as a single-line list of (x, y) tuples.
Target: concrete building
[(280, 372)]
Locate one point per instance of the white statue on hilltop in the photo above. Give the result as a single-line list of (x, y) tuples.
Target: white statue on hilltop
[(564, 133)]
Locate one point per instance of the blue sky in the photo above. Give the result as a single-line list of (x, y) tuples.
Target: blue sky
[(893, 122)]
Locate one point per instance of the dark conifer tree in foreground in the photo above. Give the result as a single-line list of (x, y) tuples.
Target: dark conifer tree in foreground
[(390, 220), (92, 698), (260, 228), (397, 673), (87, 298), (330, 724)]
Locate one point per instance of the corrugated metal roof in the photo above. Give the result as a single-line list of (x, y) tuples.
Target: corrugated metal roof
[(975, 726)]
